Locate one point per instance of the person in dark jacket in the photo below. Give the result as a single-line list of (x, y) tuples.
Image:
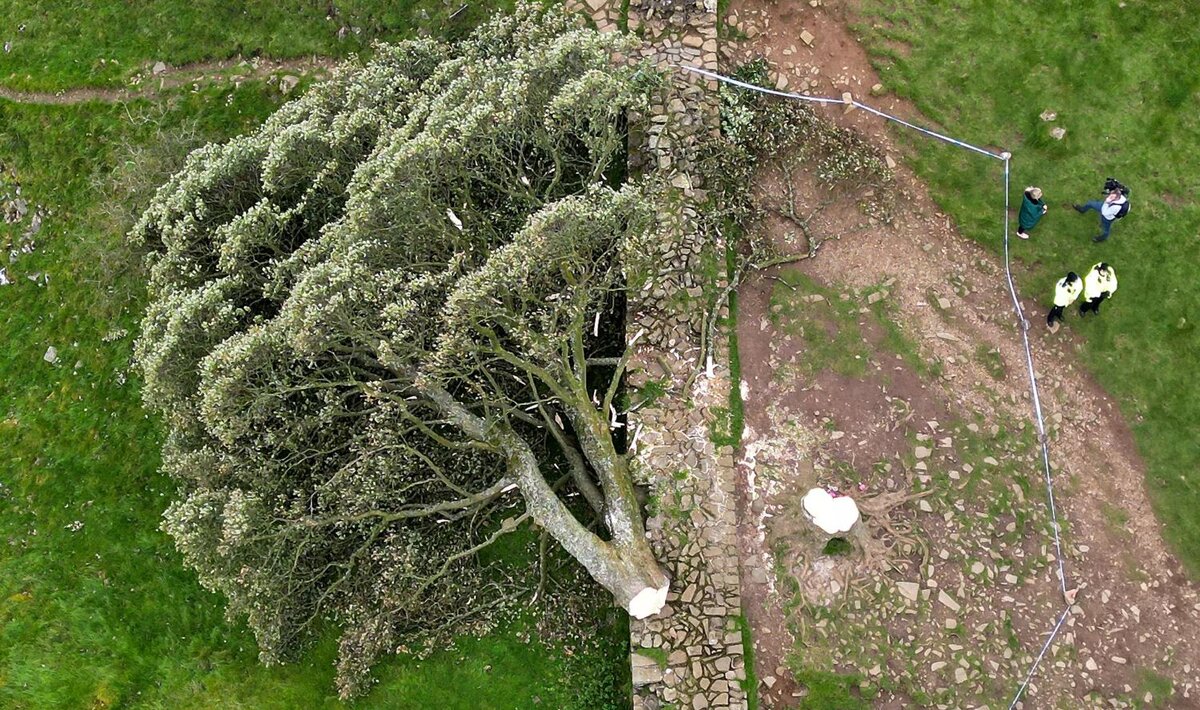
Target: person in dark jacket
[(1032, 209)]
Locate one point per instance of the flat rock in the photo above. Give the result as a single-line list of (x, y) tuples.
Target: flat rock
[(1058, 133), (948, 601), (807, 37), (51, 355), (159, 68), (647, 674), (908, 590)]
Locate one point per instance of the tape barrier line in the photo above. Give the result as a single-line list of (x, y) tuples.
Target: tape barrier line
[(843, 102), (1062, 616)]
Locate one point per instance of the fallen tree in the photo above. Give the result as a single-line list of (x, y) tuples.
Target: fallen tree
[(387, 328)]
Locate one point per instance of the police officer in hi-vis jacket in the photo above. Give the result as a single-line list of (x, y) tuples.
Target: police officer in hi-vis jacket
[(1099, 284), (1065, 292)]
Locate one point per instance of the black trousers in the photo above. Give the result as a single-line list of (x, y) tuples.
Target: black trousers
[(1093, 304), (1055, 313)]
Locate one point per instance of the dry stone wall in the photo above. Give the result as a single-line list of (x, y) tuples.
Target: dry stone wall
[(691, 655)]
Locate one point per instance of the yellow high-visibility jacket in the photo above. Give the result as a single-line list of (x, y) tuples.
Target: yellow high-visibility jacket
[(1096, 283), (1066, 293)]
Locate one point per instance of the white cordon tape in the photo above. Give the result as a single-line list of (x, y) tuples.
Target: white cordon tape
[(828, 100), (1024, 323), (1037, 661)]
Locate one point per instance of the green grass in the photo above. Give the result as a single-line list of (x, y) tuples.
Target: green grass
[(992, 361), (750, 683), (650, 392), (68, 43), (730, 423), (830, 691), (841, 332), (1124, 82), (96, 608), (737, 413), (837, 547), (658, 655), (829, 327), (1159, 688)]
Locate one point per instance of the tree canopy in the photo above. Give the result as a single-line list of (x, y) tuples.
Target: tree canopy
[(387, 328)]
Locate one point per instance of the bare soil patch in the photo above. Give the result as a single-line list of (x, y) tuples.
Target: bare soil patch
[(981, 535)]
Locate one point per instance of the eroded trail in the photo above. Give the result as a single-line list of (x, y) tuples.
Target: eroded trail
[(1137, 615), (147, 84)]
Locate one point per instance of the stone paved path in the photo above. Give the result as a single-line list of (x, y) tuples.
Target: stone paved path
[(691, 655)]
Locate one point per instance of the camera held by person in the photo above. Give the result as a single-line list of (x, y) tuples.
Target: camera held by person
[(1111, 184)]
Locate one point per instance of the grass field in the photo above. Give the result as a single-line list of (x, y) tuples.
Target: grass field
[(1124, 80), (96, 608), (58, 44)]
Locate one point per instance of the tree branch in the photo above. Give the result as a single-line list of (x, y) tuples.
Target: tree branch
[(579, 469), (408, 512)]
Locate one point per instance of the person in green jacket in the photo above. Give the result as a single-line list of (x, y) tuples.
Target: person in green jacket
[(1099, 284), (1065, 292), (1032, 209)]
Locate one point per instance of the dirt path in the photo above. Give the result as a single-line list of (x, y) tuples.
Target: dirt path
[(1137, 613), (147, 83)]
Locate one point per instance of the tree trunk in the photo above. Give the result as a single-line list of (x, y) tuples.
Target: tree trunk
[(626, 566), (622, 513)]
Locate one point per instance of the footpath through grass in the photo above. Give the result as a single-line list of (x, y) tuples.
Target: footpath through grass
[(61, 44), (1124, 80)]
